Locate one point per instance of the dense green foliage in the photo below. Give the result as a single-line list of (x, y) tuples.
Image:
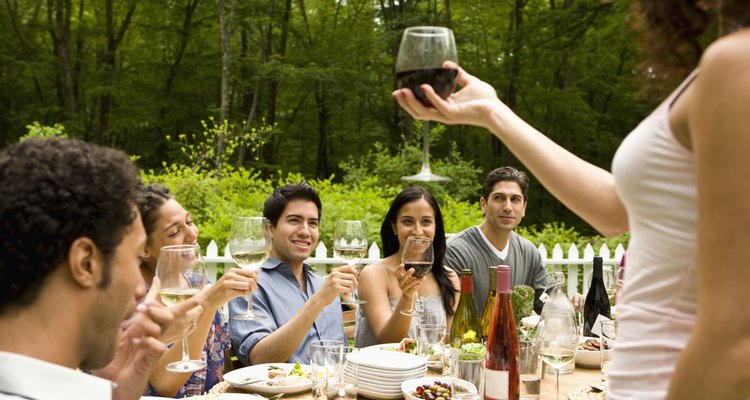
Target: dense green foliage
[(302, 89)]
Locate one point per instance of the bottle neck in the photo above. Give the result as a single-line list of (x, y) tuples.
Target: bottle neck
[(493, 280), (597, 271), (467, 287), (503, 281)]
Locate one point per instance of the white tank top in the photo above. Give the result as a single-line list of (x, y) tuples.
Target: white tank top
[(655, 178)]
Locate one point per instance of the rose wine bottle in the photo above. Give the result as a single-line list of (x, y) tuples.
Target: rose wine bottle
[(466, 327), (489, 304), (597, 301), (503, 377)]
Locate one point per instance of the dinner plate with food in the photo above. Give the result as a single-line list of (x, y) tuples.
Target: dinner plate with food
[(271, 378)]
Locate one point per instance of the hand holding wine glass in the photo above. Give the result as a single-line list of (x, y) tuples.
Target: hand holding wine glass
[(421, 57), (350, 244), (557, 340), (418, 255), (249, 245), (182, 274)]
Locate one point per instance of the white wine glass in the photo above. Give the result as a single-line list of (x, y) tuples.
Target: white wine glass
[(609, 275), (419, 256), (182, 274), (557, 340), (420, 59), (350, 245), (249, 245)]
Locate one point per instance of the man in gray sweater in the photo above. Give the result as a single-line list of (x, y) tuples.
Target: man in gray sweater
[(493, 242)]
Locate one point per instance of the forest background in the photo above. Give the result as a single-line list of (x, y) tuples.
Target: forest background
[(222, 100)]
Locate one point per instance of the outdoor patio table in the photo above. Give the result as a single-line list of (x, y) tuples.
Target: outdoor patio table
[(575, 383)]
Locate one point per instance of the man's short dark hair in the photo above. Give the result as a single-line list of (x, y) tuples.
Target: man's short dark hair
[(277, 201), (504, 174), (52, 192)]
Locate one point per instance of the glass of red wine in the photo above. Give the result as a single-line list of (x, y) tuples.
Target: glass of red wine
[(420, 60), (419, 256)]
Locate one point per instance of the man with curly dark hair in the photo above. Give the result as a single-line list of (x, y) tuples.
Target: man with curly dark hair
[(70, 241)]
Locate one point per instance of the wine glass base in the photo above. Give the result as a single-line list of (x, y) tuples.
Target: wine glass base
[(428, 177), (353, 302), (248, 317), (186, 366)]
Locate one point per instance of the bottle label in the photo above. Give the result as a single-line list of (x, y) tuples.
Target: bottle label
[(496, 384), (597, 328)]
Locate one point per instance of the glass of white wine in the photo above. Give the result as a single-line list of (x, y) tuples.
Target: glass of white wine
[(182, 274), (557, 340), (350, 245), (249, 245)]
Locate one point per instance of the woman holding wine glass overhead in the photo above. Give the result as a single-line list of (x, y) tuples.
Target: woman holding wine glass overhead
[(390, 289), (168, 224), (676, 185)]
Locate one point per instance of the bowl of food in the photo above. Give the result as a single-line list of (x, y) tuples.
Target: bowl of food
[(432, 388), (588, 355)]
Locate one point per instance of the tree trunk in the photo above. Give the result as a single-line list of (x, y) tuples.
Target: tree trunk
[(225, 26), (114, 39), (63, 11)]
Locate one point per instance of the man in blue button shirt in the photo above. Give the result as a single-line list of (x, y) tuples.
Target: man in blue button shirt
[(299, 306)]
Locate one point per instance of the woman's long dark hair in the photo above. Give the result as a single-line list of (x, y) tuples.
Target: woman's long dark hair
[(679, 30), (391, 245)]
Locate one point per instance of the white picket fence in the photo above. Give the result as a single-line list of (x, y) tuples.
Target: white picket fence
[(575, 262)]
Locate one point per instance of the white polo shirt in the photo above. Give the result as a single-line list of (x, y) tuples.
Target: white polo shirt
[(23, 377)]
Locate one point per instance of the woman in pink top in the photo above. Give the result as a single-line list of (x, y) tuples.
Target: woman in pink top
[(678, 184)]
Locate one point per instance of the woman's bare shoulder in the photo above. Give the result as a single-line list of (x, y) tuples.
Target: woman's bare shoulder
[(727, 55)]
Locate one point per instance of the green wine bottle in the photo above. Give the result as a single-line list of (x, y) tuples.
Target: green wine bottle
[(466, 327), (486, 320)]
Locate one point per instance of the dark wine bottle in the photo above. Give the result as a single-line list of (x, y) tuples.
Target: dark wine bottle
[(465, 328), (597, 302), (503, 379), (489, 304)]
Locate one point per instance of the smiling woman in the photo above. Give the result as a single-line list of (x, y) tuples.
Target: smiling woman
[(167, 223)]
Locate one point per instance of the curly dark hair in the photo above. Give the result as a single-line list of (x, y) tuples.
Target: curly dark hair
[(276, 202), (391, 244), (52, 192), (679, 30)]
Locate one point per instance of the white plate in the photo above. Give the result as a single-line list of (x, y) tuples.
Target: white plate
[(218, 396), (260, 371), (381, 374), (411, 385), (383, 346), (530, 321), (375, 394), (386, 360)]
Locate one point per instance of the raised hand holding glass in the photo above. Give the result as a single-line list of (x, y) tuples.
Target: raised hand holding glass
[(182, 273), (249, 245), (350, 244), (419, 256)]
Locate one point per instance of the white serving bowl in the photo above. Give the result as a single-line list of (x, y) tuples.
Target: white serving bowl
[(588, 358)]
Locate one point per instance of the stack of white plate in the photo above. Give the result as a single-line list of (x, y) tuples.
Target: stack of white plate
[(381, 372)]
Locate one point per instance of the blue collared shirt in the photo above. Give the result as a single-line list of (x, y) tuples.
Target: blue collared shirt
[(279, 297)]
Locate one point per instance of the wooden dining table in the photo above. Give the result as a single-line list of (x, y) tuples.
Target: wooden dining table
[(573, 386)]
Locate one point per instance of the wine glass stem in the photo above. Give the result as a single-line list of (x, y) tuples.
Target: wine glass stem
[(185, 352), (426, 144), (557, 383)]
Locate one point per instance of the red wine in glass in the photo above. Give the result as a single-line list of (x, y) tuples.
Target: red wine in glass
[(420, 268), (442, 80)]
